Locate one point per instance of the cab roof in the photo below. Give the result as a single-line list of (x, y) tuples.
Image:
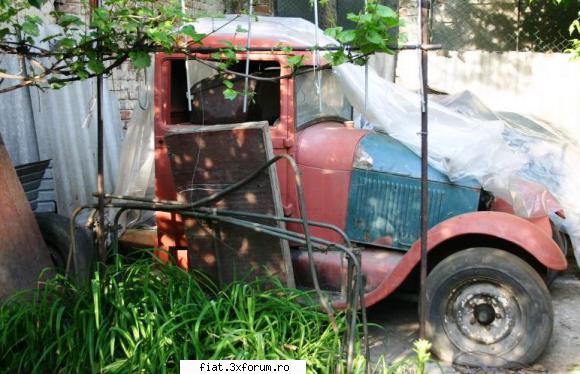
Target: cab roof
[(266, 32)]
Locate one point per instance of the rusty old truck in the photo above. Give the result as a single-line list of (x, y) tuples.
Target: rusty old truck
[(488, 301)]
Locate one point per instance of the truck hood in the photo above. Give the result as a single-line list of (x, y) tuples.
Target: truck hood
[(380, 152)]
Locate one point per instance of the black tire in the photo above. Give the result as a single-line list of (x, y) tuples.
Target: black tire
[(487, 307), (55, 230)]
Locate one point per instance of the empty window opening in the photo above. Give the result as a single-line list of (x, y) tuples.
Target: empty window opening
[(209, 106)]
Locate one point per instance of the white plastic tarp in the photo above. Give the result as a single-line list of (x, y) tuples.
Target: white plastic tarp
[(137, 162), (521, 161)]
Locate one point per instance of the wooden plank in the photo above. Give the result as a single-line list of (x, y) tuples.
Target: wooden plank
[(205, 160)]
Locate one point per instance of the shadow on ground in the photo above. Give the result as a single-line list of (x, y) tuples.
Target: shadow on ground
[(395, 326)]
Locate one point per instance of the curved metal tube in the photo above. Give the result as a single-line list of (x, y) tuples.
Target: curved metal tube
[(72, 250), (188, 210)]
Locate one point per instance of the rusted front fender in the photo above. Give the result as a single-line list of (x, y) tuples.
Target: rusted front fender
[(532, 237)]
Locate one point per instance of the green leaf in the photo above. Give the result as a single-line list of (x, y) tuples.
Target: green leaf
[(67, 20), (386, 12), (347, 36), (365, 18), (66, 43), (140, 59), (228, 84), (189, 30), (336, 58), (230, 94), (30, 25), (284, 48), (227, 43), (294, 61), (50, 37), (375, 38), (36, 3), (55, 83), (83, 74), (333, 31), (352, 17), (4, 32), (146, 12), (96, 66)]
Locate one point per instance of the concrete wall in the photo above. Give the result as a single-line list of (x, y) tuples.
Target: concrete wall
[(540, 84)]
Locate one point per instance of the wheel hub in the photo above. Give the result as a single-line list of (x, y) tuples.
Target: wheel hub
[(483, 312)]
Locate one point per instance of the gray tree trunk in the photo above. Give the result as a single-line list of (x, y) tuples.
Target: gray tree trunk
[(328, 14)]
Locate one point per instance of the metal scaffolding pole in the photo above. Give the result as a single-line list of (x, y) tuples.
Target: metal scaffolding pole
[(424, 6), (101, 244)]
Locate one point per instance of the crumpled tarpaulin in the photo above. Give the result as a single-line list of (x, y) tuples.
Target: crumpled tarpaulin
[(530, 165), (137, 160)]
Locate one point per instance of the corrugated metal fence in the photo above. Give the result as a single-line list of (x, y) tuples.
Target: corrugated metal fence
[(61, 125)]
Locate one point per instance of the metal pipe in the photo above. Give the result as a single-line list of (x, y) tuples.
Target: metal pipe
[(424, 6), (176, 206), (187, 77), (248, 44), (281, 219), (295, 237), (101, 244), (208, 50), (350, 295), (115, 240), (310, 242), (72, 250), (306, 239)]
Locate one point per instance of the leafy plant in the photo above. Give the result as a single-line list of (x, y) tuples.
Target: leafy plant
[(373, 33), (118, 31), (415, 364), (146, 316), (124, 30), (575, 31), (422, 349)]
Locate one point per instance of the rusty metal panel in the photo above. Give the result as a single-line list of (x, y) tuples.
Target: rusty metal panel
[(206, 159), (23, 253)]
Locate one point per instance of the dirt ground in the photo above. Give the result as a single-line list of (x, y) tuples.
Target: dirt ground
[(398, 328)]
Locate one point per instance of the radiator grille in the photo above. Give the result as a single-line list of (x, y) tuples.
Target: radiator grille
[(382, 205)]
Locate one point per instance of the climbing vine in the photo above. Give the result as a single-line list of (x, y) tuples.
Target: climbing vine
[(134, 29), (123, 30)]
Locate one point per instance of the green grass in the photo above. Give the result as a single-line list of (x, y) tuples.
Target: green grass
[(145, 317)]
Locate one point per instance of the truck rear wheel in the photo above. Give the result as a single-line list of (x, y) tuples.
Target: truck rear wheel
[(487, 307)]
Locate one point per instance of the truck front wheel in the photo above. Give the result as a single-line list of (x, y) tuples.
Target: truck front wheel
[(487, 307)]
